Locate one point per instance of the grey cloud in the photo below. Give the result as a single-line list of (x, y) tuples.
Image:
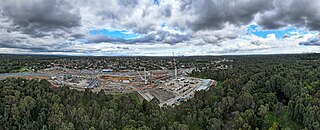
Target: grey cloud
[(39, 17), (165, 37), (18, 40), (102, 38), (20, 44), (213, 14), (140, 16), (124, 48), (311, 42), (167, 11), (217, 38), (116, 11), (65, 47), (292, 12), (78, 36), (286, 36), (258, 43), (271, 14), (128, 3)]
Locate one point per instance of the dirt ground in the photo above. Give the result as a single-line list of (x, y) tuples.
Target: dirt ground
[(162, 95)]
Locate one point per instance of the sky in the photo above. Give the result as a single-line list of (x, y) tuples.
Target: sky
[(159, 27)]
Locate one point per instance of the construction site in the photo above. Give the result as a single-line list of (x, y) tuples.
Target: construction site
[(170, 87)]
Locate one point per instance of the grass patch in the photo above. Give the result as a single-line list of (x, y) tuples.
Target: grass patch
[(22, 69)]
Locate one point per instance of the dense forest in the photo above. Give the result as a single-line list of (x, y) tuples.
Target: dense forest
[(24, 63), (259, 92)]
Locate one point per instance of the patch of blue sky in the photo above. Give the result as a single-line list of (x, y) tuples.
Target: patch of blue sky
[(121, 34), (176, 28), (163, 24), (280, 33), (156, 2)]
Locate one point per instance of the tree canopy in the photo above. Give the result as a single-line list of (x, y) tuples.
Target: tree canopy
[(258, 92)]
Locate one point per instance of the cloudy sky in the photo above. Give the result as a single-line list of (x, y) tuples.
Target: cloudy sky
[(159, 27)]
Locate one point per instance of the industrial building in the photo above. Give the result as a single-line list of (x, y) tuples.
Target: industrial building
[(93, 84), (205, 85)]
